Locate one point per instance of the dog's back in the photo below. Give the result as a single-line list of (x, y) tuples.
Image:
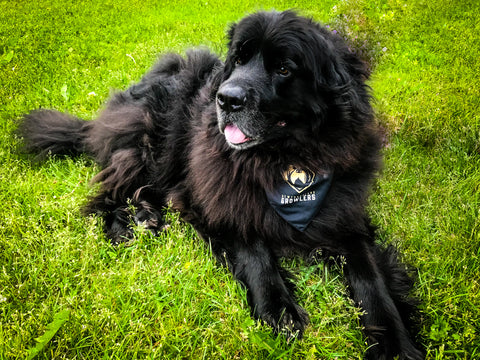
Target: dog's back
[(167, 88)]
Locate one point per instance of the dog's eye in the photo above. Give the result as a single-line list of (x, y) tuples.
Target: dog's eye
[(238, 61), (283, 70)]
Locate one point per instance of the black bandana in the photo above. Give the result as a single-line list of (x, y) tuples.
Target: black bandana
[(299, 197)]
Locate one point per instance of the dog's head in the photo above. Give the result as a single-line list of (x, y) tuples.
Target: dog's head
[(282, 75)]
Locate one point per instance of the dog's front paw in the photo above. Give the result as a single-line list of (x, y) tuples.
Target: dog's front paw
[(385, 345), (123, 222), (290, 319)]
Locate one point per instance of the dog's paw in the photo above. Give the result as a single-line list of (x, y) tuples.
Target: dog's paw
[(149, 218), (126, 221), (289, 320), (384, 346)]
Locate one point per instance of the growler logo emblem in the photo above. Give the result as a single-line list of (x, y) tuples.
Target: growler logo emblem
[(299, 179), (299, 197)]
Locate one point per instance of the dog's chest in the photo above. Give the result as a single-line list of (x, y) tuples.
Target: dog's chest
[(227, 198)]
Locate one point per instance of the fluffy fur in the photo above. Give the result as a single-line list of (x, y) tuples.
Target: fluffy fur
[(292, 93)]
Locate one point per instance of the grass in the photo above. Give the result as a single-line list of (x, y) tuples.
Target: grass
[(164, 297)]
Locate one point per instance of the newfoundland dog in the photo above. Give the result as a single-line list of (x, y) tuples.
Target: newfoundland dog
[(268, 154)]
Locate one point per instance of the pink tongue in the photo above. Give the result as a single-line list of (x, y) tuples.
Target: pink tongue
[(234, 134)]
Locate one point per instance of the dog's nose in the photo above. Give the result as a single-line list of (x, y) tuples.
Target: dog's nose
[(231, 98)]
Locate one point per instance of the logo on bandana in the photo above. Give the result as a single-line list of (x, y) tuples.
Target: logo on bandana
[(300, 180), (299, 196)]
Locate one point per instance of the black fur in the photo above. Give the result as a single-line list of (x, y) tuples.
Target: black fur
[(293, 94)]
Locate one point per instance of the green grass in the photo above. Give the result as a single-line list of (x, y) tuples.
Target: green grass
[(164, 297)]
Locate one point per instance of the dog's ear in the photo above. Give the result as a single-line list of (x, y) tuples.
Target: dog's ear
[(329, 69), (338, 66), (345, 64), (337, 74), (339, 78)]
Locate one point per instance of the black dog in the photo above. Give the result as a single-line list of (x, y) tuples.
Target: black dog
[(269, 154)]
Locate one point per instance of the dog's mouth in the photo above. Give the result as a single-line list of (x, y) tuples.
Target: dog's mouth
[(234, 135), (236, 138)]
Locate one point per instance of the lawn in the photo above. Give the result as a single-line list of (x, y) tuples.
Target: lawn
[(66, 293)]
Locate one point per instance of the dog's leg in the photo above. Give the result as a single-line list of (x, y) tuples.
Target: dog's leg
[(380, 287), (126, 198), (269, 290)]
